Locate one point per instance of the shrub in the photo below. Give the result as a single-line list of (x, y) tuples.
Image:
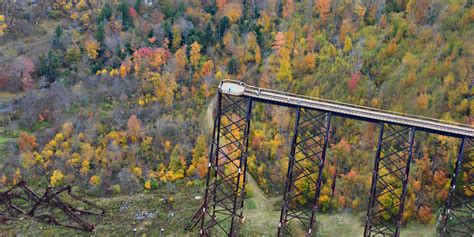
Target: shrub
[(55, 14)]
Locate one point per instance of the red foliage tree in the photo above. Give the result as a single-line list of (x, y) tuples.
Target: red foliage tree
[(354, 80), (133, 13)]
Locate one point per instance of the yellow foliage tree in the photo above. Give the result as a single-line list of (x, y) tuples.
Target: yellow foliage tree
[(3, 180), (360, 11), (56, 178), (114, 73), (181, 60), (195, 54), (86, 19), (3, 25), (123, 71), (16, 176), (94, 180), (138, 172), (176, 37), (92, 46), (233, 11), (27, 159), (422, 101), (165, 88), (284, 72), (148, 185), (347, 44), (85, 167)]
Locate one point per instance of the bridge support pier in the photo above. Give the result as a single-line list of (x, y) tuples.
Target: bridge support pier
[(306, 162), (225, 181), (459, 208), (389, 180)]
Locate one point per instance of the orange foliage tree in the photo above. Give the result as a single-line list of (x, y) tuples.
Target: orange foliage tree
[(134, 125), (27, 142), (324, 7), (424, 214)]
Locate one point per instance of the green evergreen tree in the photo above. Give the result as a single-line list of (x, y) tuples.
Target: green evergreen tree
[(224, 24), (100, 34), (232, 66), (105, 13), (57, 38)]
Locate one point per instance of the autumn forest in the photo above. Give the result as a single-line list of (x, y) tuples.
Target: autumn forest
[(115, 98)]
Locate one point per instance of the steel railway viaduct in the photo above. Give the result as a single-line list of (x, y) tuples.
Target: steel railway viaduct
[(225, 184)]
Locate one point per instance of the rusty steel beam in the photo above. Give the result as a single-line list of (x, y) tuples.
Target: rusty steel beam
[(38, 207)]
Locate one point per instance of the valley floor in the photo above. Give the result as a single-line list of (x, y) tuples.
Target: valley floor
[(170, 208)]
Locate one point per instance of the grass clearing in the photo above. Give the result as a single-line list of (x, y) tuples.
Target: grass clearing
[(3, 144), (262, 216), (127, 215)]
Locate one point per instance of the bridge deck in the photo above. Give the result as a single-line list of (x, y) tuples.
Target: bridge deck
[(347, 110)]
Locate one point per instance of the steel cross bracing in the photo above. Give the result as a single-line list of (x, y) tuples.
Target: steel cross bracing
[(307, 155), (389, 180), (225, 183), (458, 215), (223, 202)]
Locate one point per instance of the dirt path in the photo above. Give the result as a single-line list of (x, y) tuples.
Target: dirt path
[(261, 200), (209, 114)]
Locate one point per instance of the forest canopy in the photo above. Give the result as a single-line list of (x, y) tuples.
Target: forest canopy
[(112, 96)]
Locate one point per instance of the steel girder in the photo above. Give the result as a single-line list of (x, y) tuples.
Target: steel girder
[(458, 214), (389, 180), (304, 176), (50, 207), (225, 183)]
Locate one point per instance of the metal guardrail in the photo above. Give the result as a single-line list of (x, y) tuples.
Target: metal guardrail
[(361, 112)]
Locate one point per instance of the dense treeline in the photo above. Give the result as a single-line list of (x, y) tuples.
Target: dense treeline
[(116, 100)]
